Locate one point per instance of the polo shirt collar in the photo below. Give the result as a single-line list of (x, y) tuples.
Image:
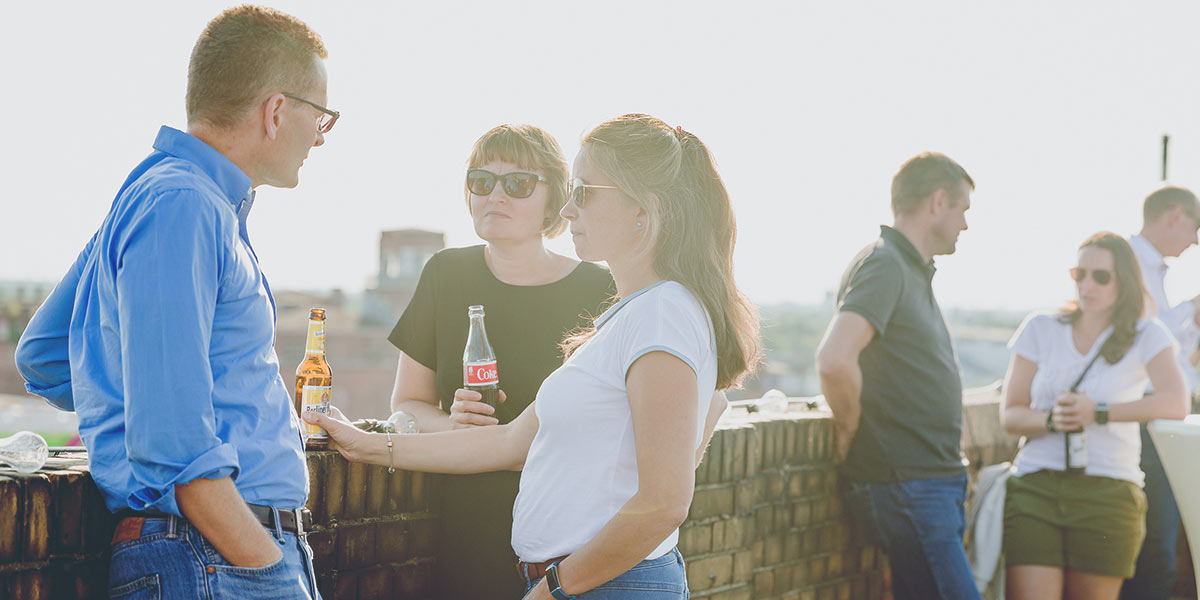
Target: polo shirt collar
[(906, 248), (234, 183)]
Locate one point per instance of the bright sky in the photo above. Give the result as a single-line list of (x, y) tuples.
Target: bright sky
[(1055, 108)]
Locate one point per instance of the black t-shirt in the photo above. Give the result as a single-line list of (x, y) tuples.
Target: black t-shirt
[(525, 325), (911, 425)]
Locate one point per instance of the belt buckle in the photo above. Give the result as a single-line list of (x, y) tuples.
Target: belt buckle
[(298, 513)]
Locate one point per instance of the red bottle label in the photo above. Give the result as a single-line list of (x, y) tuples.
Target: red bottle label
[(482, 373)]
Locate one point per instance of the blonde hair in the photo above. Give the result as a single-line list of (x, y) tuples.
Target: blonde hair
[(530, 148), (670, 174)]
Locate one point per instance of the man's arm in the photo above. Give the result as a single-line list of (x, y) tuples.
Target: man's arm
[(216, 508), (42, 355), (841, 377)]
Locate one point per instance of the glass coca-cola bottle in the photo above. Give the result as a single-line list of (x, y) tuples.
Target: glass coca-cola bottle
[(479, 362)]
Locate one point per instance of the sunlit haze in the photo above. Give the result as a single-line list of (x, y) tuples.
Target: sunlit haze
[(1056, 109)]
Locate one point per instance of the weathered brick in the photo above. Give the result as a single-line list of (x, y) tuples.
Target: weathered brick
[(98, 524), (318, 482), (816, 569), (377, 490), (835, 565), (764, 519), (773, 549), (391, 541), (324, 549), (375, 582), (739, 454), (334, 495), (11, 519), (31, 585), (764, 583), (36, 502), (711, 572), (414, 580), (793, 546), (696, 539), (355, 546), (743, 566), (67, 512), (728, 440), (797, 483), (712, 502), (753, 451), (712, 461), (790, 435), (802, 514), (746, 496), (423, 534), (345, 586), (356, 491), (418, 498), (742, 592), (398, 495)]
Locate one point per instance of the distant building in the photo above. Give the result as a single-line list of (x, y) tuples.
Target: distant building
[(402, 256)]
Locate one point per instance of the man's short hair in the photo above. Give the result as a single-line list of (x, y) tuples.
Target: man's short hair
[(921, 176), (1166, 198), (245, 53)]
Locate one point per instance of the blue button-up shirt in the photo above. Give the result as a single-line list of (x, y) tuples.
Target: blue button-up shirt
[(161, 337)]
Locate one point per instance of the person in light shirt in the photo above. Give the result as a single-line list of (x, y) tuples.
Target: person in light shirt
[(608, 449), (1170, 218), (1070, 533)]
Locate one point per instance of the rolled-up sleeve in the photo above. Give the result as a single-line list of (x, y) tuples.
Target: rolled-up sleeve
[(168, 274), (43, 352)]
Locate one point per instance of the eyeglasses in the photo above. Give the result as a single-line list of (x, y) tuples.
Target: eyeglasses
[(578, 191), (516, 184), (326, 120), (1100, 276)]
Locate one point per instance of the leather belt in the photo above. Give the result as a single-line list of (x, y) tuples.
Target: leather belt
[(536, 571), (297, 521)]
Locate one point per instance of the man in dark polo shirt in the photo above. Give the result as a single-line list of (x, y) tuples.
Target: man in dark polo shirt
[(890, 374)]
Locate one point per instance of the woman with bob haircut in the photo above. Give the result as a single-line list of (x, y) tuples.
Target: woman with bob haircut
[(1075, 533), (516, 182), (610, 446)]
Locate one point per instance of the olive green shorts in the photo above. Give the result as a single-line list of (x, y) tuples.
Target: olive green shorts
[(1078, 522)]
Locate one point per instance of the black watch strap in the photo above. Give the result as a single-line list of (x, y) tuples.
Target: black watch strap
[(554, 585)]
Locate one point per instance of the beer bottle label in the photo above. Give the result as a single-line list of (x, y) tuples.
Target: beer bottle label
[(316, 337), (484, 373), (316, 398)]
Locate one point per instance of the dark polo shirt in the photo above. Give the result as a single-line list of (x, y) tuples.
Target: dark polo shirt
[(912, 392)]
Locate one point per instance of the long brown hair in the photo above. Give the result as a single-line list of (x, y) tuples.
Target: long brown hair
[(1131, 296), (670, 174)]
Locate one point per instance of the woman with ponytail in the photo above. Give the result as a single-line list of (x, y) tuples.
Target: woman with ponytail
[(609, 447)]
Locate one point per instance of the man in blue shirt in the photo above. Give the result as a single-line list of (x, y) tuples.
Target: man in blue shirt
[(161, 335)]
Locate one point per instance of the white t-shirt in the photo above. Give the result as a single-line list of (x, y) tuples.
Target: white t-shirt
[(1113, 450), (582, 465)]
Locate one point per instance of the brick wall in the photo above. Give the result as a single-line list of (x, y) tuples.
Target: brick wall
[(766, 521)]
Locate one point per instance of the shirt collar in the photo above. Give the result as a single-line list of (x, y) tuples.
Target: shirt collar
[(614, 309), (1146, 251), (234, 183), (906, 247)]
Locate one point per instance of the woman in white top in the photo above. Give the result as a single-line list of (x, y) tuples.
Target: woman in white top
[(610, 445), (1076, 532)]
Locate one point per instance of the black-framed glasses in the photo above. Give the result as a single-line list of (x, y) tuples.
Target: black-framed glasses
[(517, 184), (578, 191), (326, 120), (1100, 276)]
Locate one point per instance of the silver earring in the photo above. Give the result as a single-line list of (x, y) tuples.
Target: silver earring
[(638, 224)]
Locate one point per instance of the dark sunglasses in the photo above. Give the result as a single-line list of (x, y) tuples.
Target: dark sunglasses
[(326, 120), (578, 191), (516, 184), (1100, 276)]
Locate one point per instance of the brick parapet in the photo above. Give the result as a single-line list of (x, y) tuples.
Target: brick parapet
[(766, 521)]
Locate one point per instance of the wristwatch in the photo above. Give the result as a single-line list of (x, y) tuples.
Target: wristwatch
[(1101, 414), (1050, 422), (552, 582)]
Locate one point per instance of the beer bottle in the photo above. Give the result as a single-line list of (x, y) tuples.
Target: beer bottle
[(314, 381), (479, 362)]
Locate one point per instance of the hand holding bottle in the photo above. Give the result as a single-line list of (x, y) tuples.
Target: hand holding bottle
[(469, 410)]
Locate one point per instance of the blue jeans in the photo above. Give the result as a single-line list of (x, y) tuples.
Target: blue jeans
[(1155, 572), (919, 524), (172, 560), (661, 578)]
